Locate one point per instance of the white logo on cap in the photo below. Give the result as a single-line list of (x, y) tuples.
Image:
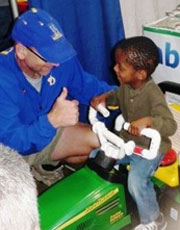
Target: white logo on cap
[(51, 80), (41, 23), (56, 33), (34, 10), (24, 22)]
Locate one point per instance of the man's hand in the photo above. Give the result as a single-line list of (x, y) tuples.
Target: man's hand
[(64, 112), (139, 124)]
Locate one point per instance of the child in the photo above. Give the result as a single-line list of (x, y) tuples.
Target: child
[(143, 105)]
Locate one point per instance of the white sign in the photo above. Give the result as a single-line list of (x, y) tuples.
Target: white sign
[(169, 50)]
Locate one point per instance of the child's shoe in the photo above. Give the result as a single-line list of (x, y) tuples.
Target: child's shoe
[(150, 226), (159, 224)]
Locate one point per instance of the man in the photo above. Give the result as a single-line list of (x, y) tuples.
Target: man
[(41, 86), (18, 195)]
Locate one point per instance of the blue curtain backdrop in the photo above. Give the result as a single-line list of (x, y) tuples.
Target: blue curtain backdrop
[(93, 27)]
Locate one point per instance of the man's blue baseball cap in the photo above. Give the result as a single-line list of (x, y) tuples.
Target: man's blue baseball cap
[(36, 28)]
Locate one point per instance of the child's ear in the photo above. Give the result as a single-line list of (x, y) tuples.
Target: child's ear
[(141, 75)]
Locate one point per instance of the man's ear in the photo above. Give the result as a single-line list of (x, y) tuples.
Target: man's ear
[(21, 51), (142, 75)]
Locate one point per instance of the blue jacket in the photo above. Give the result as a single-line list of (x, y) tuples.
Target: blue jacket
[(24, 125)]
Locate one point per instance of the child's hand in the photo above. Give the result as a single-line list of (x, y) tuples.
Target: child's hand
[(101, 99), (139, 124)]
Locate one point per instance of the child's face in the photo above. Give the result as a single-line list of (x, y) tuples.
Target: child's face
[(126, 74)]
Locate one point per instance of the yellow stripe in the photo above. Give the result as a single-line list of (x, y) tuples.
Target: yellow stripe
[(5, 52), (176, 107), (111, 107), (89, 209)]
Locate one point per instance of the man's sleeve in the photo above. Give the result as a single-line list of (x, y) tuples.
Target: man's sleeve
[(23, 138)]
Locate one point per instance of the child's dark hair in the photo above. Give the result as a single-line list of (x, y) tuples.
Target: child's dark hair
[(141, 52)]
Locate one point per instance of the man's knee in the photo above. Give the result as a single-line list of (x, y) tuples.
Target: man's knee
[(76, 159), (76, 141)]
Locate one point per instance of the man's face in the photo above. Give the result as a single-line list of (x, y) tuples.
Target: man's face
[(37, 64)]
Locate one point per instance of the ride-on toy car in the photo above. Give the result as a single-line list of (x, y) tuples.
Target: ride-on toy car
[(93, 197)]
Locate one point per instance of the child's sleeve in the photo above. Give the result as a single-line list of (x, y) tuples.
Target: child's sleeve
[(113, 100)]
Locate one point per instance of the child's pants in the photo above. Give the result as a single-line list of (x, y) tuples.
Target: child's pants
[(140, 186)]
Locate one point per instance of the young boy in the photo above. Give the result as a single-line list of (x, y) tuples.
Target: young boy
[(143, 105)]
